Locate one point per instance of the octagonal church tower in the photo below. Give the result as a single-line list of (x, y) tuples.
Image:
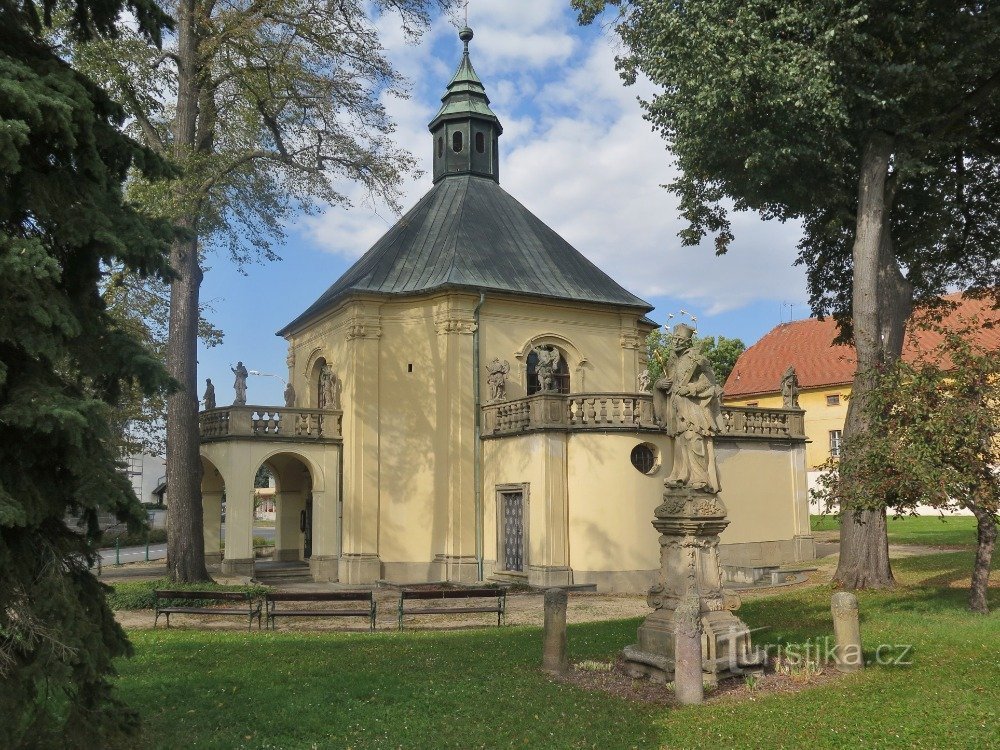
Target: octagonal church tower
[(463, 459)]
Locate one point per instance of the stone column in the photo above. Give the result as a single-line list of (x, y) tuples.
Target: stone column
[(359, 558), (847, 629), (325, 561), (689, 685), (287, 535), (554, 657), (211, 503), (238, 559), (689, 523)]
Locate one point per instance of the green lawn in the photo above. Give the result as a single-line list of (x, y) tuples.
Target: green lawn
[(482, 688), (952, 531)]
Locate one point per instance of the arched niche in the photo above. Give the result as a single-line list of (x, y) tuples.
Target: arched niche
[(574, 363)]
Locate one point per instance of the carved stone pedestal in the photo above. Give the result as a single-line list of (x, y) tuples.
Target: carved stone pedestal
[(689, 523)]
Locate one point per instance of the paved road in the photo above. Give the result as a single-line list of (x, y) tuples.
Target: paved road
[(159, 551)]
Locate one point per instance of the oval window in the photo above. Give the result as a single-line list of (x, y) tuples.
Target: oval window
[(480, 143), (644, 458), (440, 147), (456, 142)]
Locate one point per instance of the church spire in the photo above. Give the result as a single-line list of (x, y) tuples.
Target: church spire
[(465, 129)]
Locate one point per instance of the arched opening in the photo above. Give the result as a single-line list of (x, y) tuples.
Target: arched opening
[(440, 149), (456, 141), (549, 376), (480, 143), (316, 384), (213, 504), (291, 497)]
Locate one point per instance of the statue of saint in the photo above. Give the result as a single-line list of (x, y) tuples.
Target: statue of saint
[(643, 381), (686, 404), (548, 363), (329, 389), (209, 394), (290, 396), (240, 384), (497, 379), (790, 388)]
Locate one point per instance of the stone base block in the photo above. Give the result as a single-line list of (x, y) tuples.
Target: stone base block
[(725, 646), (355, 568), (287, 555), (213, 558), (458, 568), (238, 567), (324, 568), (805, 548), (545, 576)]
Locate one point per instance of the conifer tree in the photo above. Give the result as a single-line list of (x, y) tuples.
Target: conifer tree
[(63, 366)]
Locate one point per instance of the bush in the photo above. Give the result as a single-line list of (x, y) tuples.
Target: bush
[(132, 538), (139, 594)]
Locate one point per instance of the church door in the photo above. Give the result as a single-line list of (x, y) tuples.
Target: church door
[(512, 531)]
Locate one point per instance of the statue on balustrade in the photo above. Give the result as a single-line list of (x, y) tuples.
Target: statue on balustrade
[(643, 381), (790, 388), (548, 363), (209, 394), (329, 389), (240, 384), (497, 379), (290, 396), (686, 403)]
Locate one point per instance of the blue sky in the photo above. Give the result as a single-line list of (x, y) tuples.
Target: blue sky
[(575, 151)]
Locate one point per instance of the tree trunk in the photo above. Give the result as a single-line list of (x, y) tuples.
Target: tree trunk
[(986, 539), (185, 527), (881, 304)]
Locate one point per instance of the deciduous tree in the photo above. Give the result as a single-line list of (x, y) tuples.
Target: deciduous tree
[(875, 124), (935, 441), (721, 351), (269, 107), (64, 363)]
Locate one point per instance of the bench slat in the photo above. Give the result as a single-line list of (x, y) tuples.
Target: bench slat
[(451, 593), (327, 596), (321, 613), (230, 596), (451, 610), (206, 611)]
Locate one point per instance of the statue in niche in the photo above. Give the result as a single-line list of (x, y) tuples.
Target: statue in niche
[(497, 379), (240, 384), (209, 394), (548, 363), (790, 388), (289, 396), (329, 389), (643, 381), (686, 404)]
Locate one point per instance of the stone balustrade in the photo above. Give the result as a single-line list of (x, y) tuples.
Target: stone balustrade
[(626, 412), (269, 423)]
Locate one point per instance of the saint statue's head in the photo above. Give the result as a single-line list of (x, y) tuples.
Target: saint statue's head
[(683, 336)]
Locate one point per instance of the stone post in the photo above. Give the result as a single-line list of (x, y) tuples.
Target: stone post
[(847, 629), (554, 658), (689, 684)]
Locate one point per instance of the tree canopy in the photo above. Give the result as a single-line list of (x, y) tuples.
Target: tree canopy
[(64, 363), (721, 351)]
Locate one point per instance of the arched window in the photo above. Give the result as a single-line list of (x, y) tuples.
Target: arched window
[(480, 143), (645, 459), (560, 374), (440, 147), (456, 141)]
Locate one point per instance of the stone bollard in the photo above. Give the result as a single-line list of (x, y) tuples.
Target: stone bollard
[(554, 658), (689, 681), (847, 630)]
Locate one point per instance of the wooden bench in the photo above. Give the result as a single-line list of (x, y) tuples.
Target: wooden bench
[(271, 609), (249, 610), (498, 605)]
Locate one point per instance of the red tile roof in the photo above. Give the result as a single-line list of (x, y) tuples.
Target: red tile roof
[(808, 345)]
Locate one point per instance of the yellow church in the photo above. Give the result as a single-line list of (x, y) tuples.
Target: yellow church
[(467, 403)]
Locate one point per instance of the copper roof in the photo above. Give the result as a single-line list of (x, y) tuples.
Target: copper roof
[(808, 345)]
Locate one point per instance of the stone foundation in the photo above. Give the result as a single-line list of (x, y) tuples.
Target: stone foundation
[(361, 569), (324, 568), (238, 567)]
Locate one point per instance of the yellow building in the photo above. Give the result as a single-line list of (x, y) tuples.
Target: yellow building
[(825, 371), (466, 407)]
